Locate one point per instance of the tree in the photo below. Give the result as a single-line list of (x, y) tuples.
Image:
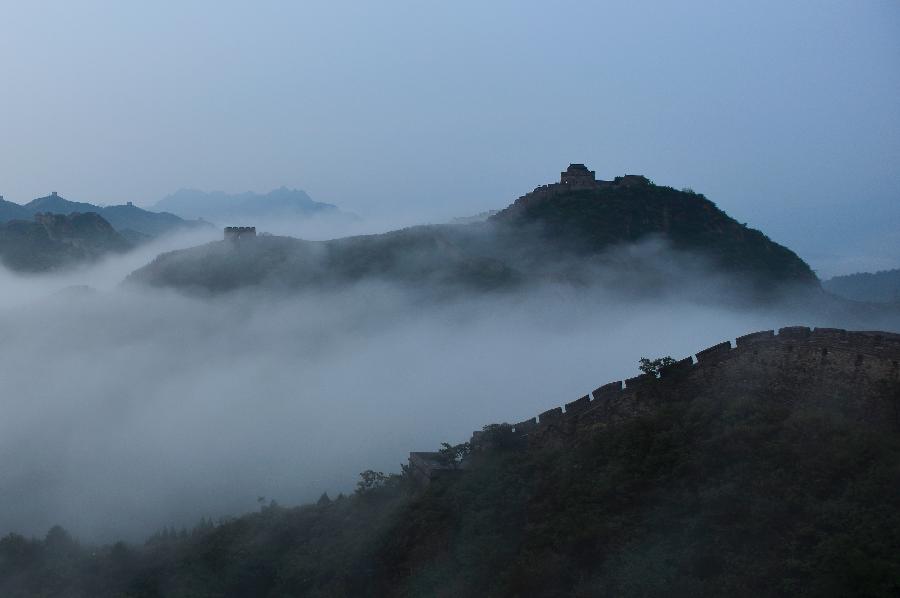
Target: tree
[(655, 366), (370, 480), (453, 455)]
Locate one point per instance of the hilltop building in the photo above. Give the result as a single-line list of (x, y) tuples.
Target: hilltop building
[(577, 176), (238, 233)]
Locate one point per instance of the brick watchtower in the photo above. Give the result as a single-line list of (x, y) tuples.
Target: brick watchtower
[(577, 176)]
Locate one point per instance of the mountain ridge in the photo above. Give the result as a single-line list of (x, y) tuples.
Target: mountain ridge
[(124, 217), (558, 232)]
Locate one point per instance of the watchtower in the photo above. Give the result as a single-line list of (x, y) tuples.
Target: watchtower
[(577, 176), (238, 233)]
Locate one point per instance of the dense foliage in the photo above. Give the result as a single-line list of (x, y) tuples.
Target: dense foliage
[(698, 497)]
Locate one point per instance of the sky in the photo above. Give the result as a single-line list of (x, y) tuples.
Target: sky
[(787, 115)]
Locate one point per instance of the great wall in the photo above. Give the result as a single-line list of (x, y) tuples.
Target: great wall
[(856, 371)]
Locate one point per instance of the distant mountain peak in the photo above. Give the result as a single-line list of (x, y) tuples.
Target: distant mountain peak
[(222, 207)]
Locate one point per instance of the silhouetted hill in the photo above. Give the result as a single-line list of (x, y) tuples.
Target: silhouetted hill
[(586, 221), (136, 223), (52, 241), (767, 469), (878, 287), (428, 256), (249, 207), (568, 234)]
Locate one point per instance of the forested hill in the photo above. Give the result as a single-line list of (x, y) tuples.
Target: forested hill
[(567, 235), (631, 208), (768, 469), (53, 241)]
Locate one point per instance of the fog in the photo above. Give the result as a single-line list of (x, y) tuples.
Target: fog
[(322, 227), (127, 409), (106, 274)]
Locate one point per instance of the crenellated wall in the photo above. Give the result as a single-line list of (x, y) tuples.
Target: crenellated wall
[(825, 362), (858, 371)]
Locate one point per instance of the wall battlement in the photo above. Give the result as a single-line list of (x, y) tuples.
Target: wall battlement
[(860, 356)]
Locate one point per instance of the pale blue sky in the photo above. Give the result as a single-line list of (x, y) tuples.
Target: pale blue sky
[(785, 114)]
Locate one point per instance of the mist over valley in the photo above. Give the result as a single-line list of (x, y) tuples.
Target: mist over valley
[(272, 366), (449, 300)]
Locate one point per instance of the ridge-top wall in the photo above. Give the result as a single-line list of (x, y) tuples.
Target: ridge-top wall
[(860, 359)]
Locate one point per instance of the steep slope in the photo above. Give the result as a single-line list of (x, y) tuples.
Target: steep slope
[(54, 241), (767, 469), (228, 208), (569, 234), (878, 287)]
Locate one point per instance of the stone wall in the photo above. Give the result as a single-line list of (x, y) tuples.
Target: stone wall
[(857, 370)]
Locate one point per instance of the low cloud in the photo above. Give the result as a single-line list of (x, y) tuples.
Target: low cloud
[(126, 409)]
